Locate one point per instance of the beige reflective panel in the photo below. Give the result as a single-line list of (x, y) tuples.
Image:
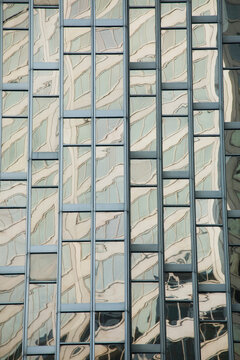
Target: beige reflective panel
[(213, 340), (176, 192), (109, 131), (144, 215), (233, 184), (142, 35), (141, 2), (109, 327), (109, 280), (110, 351), (41, 314), (204, 35), (109, 39), (46, 35), (75, 352), (43, 267), (75, 327), (45, 124), (178, 286), (77, 175), (204, 7), (44, 216), (77, 39), (143, 124), (109, 226), (177, 237), (142, 82), (209, 211), (76, 268), (45, 173), (207, 163), (234, 262), (13, 193), (206, 122), (145, 313), (77, 131), (231, 20), (143, 172), (212, 306), (15, 56), (234, 231), (231, 95), (174, 55), (12, 237), (174, 102), (45, 2), (175, 143), (173, 15), (210, 255), (76, 226), (15, 103), (109, 9), (15, 15), (11, 331), (75, 9), (109, 82), (144, 266), (205, 76), (45, 82), (236, 326), (41, 357), (77, 82), (232, 142), (11, 288), (109, 174)]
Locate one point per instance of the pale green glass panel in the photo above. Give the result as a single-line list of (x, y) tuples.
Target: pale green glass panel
[(109, 226), (109, 174), (143, 172), (110, 327), (76, 269), (109, 272), (109, 82), (233, 183), (46, 35), (144, 266), (15, 56), (12, 237), (76, 226), (77, 39), (43, 267), (205, 76), (15, 15), (145, 313), (75, 327), (77, 82), (175, 143), (45, 173), (41, 314), (73, 352), (45, 124), (234, 231), (212, 306), (46, 2), (143, 82), (45, 82), (11, 288), (144, 215), (204, 35), (116, 351), (109, 131), (177, 238), (141, 2), (173, 15), (176, 192), (231, 80), (236, 347), (44, 216), (214, 340), (174, 102), (209, 211), (77, 175), (206, 122), (75, 9), (13, 193), (207, 163), (210, 255), (143, 124), (142, 35), (232, 142), (231, 57), (178, 286), (41, 357), (11, 331), (77, 131), (109, 39), (109, 9), (204, 7), (231, 23), (15, 103), (14, 145)]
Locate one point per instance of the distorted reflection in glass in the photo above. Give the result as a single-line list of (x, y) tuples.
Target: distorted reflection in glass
[(109, 272), (176, 192), (178, 286), (109, 326), (110, 351), (45, 173), (234, 231), (210, 255), (204, 7), (76, 226), (38, 262), (75, 327), (143, 172), (109, 9), (213, 340), (144, 215), (14, 103), (141, 2), (233, 182), (41, 357), (174, 102), (173, 15), (236, 326), (142, 82), (75, 9), (71, 351), (77, 39), (209, 211), (204, 35), (15, 15), (206, 122), (76, 266), (41, 314), (109, 39), (13, 193), (77, 131), (11, 288), (231, 57), (146, 356), (231, 18), (45, 82), (46, 2), (231, 95), (145, 313), (144, 266), (212, 306), (109, 131), (232, 142), (109, 226), (234, 263)]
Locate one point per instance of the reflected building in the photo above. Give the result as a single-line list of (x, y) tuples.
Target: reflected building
[(119, 180)]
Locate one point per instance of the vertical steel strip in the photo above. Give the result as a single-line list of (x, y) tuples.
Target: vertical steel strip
[(192, 183), (1, 77)]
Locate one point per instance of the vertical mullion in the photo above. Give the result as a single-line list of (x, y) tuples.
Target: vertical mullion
[(1, 77)]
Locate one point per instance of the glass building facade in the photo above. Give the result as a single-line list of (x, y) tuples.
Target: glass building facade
[(119, 180)]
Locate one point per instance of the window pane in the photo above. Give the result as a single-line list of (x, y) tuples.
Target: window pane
[(144, 266), (204, 35), (236, 326), (234, 231), (178, 286), (231, 95), (109, 326), (213, 340), (206, 122), (143, 172), (173, 15), (75, 327), (174, 102), (144, 356), (75, 9), (43, 267), (15, 15), (13, 193), (234, 262), (204, 7), (143, 82), (70, 352), (45, 82), (77, 39), (109, 225), (109, 39), (109, 352), (11, 288), (231, 18), (15, 103), (109, 131), (209, 211), (232, 177), (212, 306), (109, 9), (232, 143), (45, 173), (76, 226), (176, 192), (77, 131)]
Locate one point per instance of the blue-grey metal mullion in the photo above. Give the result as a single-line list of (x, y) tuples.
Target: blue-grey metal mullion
[(160, 182), (223, 184), (192, 185), (1, 78), (29, 182)]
